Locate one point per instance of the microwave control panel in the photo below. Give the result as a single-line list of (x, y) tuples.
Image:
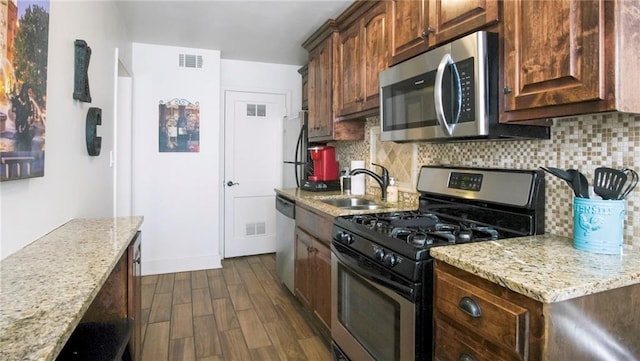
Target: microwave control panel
[(467, 80)]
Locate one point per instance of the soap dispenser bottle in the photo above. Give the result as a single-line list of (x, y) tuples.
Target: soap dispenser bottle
[(392, 191)]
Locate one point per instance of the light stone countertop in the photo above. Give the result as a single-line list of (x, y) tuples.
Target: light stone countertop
[(314, 200), (546, 268), (46, 287)]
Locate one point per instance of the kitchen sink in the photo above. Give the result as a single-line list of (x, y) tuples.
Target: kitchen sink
[(353, 203)]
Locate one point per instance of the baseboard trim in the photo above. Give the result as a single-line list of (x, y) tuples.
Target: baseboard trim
[(153, 267)]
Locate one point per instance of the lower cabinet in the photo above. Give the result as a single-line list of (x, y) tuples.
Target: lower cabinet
[(134, 292), (112, 325), (313, 265), (476, 319)]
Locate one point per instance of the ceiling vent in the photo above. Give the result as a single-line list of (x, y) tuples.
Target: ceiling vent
[(190, 61)]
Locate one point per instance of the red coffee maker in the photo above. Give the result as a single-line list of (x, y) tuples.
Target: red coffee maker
[(325, 167), (326, 176)]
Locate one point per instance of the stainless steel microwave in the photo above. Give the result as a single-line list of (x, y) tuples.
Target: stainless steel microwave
[(448, 93)]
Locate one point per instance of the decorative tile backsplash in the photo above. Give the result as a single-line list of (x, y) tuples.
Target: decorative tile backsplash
[(584, 143)]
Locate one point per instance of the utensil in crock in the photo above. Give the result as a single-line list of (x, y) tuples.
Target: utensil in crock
[(608, 182), (632, 181), (579, 183), (560, 173)]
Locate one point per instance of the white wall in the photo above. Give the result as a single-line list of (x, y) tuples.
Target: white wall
[(263, 77), (74, 184), (181, 194), (178, 193)]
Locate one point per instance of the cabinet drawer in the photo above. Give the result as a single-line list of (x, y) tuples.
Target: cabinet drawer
[(455, 345), (499, 321), (315, 224)]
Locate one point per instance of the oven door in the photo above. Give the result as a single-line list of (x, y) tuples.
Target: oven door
[(372, 315)]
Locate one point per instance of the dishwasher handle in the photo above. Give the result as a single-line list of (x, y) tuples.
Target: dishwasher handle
[(286, 206)]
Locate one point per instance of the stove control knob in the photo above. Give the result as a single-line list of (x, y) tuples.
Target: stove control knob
[(390, 259), (378, 254), (345, 238)]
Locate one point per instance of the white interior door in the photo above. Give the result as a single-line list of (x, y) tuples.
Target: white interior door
[(253, 164)]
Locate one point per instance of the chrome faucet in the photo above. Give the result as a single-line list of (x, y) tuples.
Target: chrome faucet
[(382, 180)]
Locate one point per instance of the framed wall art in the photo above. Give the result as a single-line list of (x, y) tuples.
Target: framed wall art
[(179, 126), (24, 43)]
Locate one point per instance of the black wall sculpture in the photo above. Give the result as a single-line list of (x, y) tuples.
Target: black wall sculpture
[(81, 90), (94, 143)]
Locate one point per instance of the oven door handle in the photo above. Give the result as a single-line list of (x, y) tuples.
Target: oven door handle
[(352, 265), (438, 95)]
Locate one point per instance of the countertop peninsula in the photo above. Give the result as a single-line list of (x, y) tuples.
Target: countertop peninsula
[(47, 286), (546, 268)]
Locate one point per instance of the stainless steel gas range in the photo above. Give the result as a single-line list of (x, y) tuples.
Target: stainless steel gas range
[(382, 274)]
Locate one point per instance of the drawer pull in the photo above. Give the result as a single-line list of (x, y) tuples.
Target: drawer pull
[(466, 357), (469, 306)]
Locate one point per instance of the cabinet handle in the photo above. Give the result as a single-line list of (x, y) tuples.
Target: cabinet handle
[(469, 306), (429, 31), (508, 90), (466, 357)]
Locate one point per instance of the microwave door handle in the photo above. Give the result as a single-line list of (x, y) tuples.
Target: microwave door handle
[(438, 96)]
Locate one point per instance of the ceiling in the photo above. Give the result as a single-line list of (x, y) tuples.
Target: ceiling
[(262, 31)]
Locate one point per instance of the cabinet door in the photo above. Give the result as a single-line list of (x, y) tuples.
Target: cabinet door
[(321, 91), (313, 89), (375, 54), (134, 291), (451, 19), (408, 28), (303, 270), (322, 283), (304, 73), (553, 52), (350, 68)]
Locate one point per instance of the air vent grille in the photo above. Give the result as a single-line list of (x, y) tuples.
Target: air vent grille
[(190, 61), (255, 229)]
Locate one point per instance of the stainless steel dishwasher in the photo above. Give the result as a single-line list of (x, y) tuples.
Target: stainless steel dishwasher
[(285, 249)]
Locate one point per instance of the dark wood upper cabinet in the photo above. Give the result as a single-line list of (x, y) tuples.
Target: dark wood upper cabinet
[(304, 73), (452, 19), (571, 57), (321, 49), (417, 25), (408, 28), (362, 54), (324, 125)]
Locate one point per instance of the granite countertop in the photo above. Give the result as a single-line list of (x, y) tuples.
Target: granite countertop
[(314, 200), (546, 268), (46, 287)]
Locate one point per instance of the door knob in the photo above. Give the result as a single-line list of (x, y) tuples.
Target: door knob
[(231, 184)]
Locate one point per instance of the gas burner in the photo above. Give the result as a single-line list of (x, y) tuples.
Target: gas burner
[(464, 235), (444, 235), (419, 239), (400, 232), (416, 220), (412, 237)]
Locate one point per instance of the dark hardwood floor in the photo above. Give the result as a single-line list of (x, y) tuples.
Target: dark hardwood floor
[(239, 312)]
